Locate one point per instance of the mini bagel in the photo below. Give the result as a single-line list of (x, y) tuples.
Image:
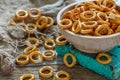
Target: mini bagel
[(75, 14), (66, 62), (102, 16), (89, 25), (78, 5), (49, 55), (109, 3), (46, 75), (102, 30), (86, 31), (22, 62), (65, 24), (21, 14), (67, 15), (61, 40), (50, 22), (42, 22), (76, 27), (29, 49), (91, 14), (88, 15), (98, 58), (30, 76), (92, 5), (32, 39), (34, 13), (36, 54), (30, 30), (60, 73), (16, 21), (49, 44)]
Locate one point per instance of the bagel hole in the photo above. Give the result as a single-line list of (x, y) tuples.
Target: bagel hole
[(49, 21), (34, 13), (62, 76), (48, 54), (46, 71), (69, 59), (103, 31), (88, 15), (32, 42), (21, 13), (39, 23), (35, 57), (27, 78), (62, 40), (103, 58), (22, 59), (50, 44), (65, 23)]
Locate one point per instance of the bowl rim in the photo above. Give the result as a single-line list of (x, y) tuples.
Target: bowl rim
[(79, 35)]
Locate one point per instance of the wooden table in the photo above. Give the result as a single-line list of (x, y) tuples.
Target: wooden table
[(7, 9), (77, 72)]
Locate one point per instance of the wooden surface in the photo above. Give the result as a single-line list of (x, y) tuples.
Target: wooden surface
[(9, 7), (77, 72)]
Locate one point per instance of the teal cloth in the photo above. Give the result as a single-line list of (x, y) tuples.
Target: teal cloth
[(110, 71)]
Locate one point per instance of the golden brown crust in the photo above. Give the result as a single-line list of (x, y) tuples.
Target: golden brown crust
[(23, 62), (36, 54), (66, 61), (31, 30), (46, 75), (65, 24), (21, 14), (34, 13), (107, 61), (51, 42), (29, 49), (91, 15), (49, 55), (61, 40), (32, 39), (57, 76), (30, 76)]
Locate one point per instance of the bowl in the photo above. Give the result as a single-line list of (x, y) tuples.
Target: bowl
[(88, 44)]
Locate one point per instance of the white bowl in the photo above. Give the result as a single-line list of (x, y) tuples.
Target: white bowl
[(88, 44)]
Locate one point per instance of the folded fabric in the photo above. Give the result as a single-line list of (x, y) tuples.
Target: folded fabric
[(110, 71)]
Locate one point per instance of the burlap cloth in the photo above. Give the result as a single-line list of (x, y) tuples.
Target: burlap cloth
[(10, 38)]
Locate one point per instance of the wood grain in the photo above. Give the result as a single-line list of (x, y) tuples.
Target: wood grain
[(77, 72)]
